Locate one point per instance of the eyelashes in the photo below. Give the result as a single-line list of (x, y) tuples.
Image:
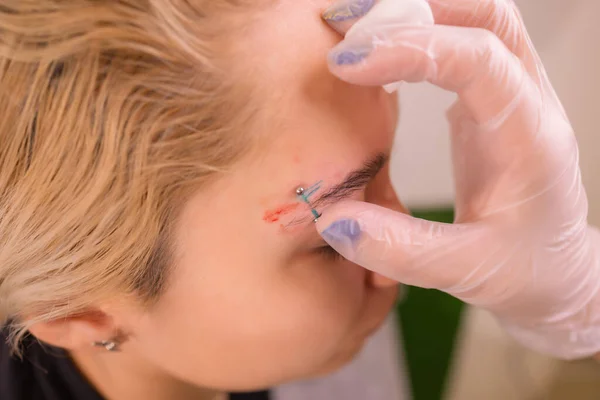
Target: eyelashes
[(328, 253)]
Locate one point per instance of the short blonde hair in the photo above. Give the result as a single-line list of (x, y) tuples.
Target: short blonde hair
[(113, 113)]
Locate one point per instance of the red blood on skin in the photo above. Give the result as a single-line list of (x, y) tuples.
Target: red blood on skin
[(272, 216)]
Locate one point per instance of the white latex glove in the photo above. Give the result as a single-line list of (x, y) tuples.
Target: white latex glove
[(521, 246)]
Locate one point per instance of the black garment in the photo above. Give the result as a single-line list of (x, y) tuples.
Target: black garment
[(47, 373)]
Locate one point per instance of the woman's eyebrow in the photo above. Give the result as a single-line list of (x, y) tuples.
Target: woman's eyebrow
[(353, 182)]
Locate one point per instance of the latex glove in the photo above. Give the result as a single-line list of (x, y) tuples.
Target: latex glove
[(521, 246)]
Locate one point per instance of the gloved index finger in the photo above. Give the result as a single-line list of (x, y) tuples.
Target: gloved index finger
[(349, 16), (342, 15), (501, 17), (471, 62)]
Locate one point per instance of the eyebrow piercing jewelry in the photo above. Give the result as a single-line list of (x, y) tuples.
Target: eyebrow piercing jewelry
[(304, 195)]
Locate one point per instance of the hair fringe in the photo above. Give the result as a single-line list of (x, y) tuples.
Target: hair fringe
[(114, 112)]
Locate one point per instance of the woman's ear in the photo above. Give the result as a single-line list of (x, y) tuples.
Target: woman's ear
[(76, 332)]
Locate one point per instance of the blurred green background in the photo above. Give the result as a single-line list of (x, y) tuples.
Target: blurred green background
[(429, 321)]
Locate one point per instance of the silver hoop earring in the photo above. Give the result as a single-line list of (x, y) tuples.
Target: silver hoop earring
[(109, 345)]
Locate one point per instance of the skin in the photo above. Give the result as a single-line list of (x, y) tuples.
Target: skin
[(252, 302)]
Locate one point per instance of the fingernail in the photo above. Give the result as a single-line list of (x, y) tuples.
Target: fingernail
[(344, 232), (349, 57), (347, 10)]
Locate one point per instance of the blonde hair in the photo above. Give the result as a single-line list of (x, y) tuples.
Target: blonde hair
[(113, 113)]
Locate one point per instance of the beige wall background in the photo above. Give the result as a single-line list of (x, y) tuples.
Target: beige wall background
[(567, 36)]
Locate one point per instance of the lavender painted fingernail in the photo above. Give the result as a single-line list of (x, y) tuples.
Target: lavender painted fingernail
[(348, 10), (344, 232), (349, 57)]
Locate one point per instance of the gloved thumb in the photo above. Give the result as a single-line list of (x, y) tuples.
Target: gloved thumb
[(409, 250)]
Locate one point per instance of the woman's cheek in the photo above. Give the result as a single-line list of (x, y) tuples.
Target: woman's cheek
[(345, 294), (332, 286)]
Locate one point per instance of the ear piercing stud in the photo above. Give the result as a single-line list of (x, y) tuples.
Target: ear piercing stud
[(109, 345)]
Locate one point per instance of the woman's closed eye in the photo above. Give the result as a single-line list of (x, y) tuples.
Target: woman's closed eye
[(328, 253)]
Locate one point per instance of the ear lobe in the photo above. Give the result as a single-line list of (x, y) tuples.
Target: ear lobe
[(75, 332)]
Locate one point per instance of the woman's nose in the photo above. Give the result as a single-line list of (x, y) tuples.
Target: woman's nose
[(380, 281), (381, 192)]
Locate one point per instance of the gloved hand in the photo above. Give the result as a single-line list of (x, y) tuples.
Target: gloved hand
[(521, 246)]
